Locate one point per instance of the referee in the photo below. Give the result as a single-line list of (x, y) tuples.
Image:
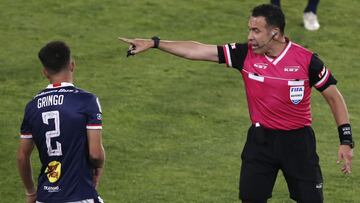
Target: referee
[(278, 75)]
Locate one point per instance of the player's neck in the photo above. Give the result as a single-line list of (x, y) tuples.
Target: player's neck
[(59, 78)]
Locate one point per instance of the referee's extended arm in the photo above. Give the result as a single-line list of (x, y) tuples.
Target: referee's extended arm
[(185, 49)]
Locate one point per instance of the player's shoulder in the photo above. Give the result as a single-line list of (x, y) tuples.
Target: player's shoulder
[(90, 99), (84, 94), (29, 105), (35, 98)]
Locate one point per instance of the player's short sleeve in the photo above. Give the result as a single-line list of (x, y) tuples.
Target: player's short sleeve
[(26, 129), (319, 75), (94, 114), (233, 54)]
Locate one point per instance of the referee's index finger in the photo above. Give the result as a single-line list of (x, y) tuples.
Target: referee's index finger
[(129, 41)]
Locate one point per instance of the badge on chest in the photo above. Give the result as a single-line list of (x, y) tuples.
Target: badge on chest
[(296, 94)]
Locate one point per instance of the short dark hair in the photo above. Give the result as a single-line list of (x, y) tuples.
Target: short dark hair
[(273, 15), (55, 56)]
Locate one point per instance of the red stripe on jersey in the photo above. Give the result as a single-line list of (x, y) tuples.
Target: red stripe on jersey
[(324, 80), (94, 125), (56, 84), (322, 72)]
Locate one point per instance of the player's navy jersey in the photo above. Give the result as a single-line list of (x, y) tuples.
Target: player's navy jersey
[(57, 120), (278, 89)]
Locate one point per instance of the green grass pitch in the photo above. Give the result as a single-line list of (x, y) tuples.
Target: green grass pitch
[(173, 129)]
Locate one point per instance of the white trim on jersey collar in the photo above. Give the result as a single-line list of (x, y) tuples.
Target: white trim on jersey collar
[(57, 85), (269, 59), (282, 54)]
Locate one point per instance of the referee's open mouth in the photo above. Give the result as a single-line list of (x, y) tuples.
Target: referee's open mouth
[(255, 46)]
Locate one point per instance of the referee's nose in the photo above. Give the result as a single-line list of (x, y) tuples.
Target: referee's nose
[(250, 36)]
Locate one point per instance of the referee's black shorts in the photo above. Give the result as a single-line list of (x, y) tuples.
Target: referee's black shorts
[(294, 152)]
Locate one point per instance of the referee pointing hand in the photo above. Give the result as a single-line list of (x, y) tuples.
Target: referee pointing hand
[(278, 75)]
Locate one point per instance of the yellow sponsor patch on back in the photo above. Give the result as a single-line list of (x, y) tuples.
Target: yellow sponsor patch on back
[(53, 171)]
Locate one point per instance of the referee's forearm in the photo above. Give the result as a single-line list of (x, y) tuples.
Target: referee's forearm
[(190, 50), (338, 106), (340, 112)]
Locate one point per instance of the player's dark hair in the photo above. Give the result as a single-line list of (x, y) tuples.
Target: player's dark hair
[(273, 15), (55, 56)]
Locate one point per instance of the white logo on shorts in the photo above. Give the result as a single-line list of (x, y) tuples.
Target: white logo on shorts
[(319, 186)]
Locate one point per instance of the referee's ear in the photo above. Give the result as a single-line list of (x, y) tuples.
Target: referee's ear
[(276, 34)]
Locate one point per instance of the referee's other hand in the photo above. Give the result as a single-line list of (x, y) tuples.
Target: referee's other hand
[(345, 155)]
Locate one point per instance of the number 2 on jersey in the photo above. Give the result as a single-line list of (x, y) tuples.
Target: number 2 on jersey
[(46, 116)]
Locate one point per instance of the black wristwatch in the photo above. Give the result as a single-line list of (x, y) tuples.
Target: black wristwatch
[(351, 144), (345, 135), (156, 40)]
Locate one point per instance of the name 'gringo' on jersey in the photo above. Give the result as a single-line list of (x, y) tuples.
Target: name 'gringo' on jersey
[(50, 100)]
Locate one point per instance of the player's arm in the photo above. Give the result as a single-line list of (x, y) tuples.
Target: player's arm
[(25, 149), (96, 153), (96, 149), (185, 49), (94, 137)]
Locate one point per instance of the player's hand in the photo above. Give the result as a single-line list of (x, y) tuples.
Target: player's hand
[(137, 45), (97, 172), (31, 198), (345, 154)]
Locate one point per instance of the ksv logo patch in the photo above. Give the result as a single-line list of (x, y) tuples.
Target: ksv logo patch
[(291, 68), (261, 65), (297, 94)]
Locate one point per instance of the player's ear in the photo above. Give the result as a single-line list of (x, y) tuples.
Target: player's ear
[(46, 73), (72, 65)]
